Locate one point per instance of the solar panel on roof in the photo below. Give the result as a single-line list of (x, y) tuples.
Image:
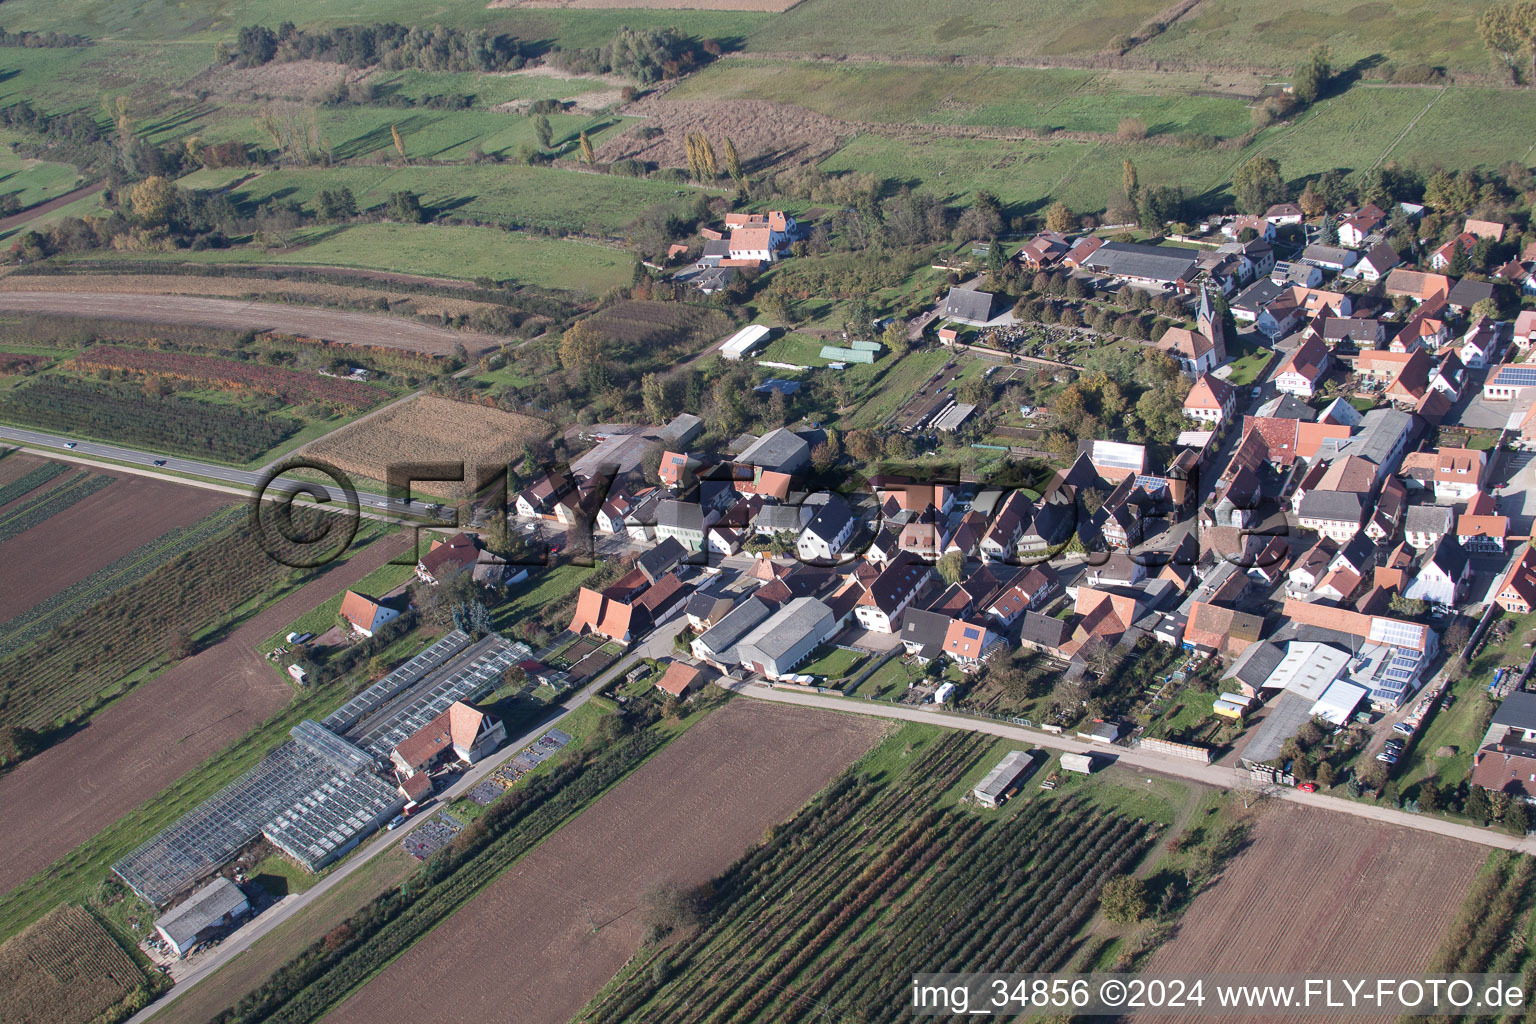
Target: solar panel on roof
[(971, 634), (1516, 376)]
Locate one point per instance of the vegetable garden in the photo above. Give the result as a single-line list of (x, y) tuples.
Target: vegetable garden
[(126, 414), (871, 882), (50, 503), (30, 481)]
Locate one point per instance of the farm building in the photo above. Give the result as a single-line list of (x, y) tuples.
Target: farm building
[(680, 679), (785, 639), (743, 341), (968, 306), (214, 906), (781, 450), (1156, 265), (1080, 763), (1001, 782)]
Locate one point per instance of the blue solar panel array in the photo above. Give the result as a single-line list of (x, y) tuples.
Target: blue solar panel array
[(1522, 376)]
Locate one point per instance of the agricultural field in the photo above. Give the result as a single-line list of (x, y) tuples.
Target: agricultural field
[(1378, 916), (509, 195), (67, 969), (803, 928), (430, 428), (292, 387), (126, 414), (101, 653), (662, 333), (50, 501), (20, 475), (1033, 99), (910, 27), (1276, 34), (83, 802), (134, 525), (449, 251), (78, 297), (679, 819)]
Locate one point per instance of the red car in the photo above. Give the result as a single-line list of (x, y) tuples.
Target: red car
[(1308, 787)]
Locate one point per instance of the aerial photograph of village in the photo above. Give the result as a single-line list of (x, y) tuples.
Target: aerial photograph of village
[(767, 511)]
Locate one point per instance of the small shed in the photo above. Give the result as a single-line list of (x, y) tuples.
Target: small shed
[(1001, 782), (680, 679), (215, 905), (1080, 763)]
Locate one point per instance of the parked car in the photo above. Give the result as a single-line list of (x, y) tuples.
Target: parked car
[(1403, 728), (1308, 787), (1386, 758), (1394, 746), (396, 822)]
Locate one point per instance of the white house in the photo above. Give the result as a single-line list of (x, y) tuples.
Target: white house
[(1459, 473), (823, 538), (898, 585), (1304, 370), (365, 615), (1211, 400), (1443, 576)]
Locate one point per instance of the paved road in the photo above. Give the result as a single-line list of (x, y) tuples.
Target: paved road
[(343, 326), (242, 939), (246, 480), (1210, 775)]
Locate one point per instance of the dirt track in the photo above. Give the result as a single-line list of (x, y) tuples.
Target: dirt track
[(132, 511), (542, 939), (157, 733), (1312, 894), (341, 326)]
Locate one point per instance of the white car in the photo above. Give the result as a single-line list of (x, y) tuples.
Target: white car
[(70, 444)]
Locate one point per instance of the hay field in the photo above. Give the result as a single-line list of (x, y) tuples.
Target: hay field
[(430, 428)]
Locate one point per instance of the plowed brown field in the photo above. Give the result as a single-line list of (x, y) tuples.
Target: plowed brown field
[(543, 938), (1324, 893), (340, 326)]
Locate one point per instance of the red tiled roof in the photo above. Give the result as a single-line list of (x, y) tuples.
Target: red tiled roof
[(678, 678)]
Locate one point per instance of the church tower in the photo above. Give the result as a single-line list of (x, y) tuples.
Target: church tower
[(1212, 326)]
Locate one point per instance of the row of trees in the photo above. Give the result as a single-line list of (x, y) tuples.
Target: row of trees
[(388, 44)]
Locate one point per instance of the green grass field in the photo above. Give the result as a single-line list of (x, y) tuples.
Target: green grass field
[(32, 181), (1229, 33), (511, 196), (452, 251), (1038, 99), (1364, 126), (193, 23), (912, 27), (355, 133), (1280, 33)]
